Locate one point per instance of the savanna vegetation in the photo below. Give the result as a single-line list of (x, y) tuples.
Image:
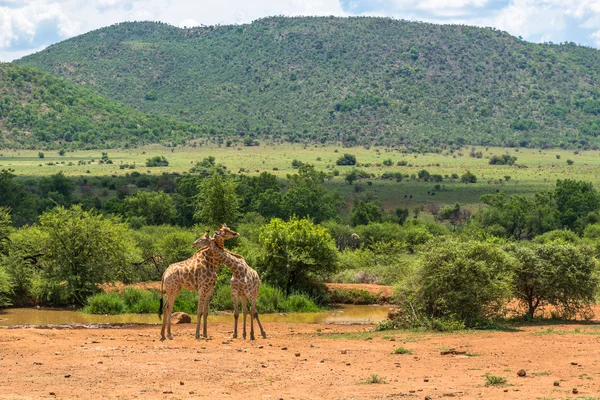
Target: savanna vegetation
[(39, 110), (451, 268)]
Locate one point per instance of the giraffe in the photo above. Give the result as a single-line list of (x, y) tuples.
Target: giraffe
[(245, 282), (198, 272)]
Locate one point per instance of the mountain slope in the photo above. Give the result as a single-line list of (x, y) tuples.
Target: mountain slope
[(41, 110), (353, 79)]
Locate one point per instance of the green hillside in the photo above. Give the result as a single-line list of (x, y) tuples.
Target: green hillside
[(359, 80), (40, 110)]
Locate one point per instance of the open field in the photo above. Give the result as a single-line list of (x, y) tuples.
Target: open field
[(300, 361), (538, 169)]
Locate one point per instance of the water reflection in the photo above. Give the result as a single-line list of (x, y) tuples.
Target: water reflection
[(345, 314)]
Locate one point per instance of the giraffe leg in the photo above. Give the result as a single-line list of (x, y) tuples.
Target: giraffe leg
[(244, 310), (252, 314), (168, 314), (199, 314), (236, 313), (253, 310), (164, 321), (206, 305)]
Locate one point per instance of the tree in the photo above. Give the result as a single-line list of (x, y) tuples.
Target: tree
[(295, 253), (574, 201), (5, 228), (402, 214), (504, 159), (468, 177), (364, 213), (346, 159), (157, 161), (217, 201), (307, 196), (156, 208), (557, 273), (58, 188), (452, 214), (423, 175), (84, 249)]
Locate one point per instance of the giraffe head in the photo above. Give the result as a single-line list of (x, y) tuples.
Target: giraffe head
[(225, 233), (202, 241)]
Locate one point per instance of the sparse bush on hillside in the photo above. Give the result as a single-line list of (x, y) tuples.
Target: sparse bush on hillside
[(346, 159), (157, 161), (505, 159)]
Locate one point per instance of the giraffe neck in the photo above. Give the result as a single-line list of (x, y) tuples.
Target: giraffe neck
[(205, 258), (230, 260)]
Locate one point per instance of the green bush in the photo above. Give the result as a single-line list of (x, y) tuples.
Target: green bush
[(379, 232), (105, 303), (468, 282), (6, 290), (353, 296), (383, 264), (299, 303), (48, 291), (140, 301)]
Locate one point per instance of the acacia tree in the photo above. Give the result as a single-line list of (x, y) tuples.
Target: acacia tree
[(156, 208), (84, 249), (307, 197), (296, 252), (217, 201), (557, 273)]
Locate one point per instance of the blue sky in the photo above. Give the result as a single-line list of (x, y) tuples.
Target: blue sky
[(27, 26)]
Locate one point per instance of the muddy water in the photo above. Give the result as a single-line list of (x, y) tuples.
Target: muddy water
[(345, 314)]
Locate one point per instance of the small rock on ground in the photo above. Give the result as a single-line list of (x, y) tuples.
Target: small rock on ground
[(180, 318)]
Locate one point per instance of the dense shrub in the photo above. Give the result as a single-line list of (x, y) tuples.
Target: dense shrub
[(346, 159), (505, 159), (462, 281), (105, 303), (5, 288), (157, 161), (295, 253)]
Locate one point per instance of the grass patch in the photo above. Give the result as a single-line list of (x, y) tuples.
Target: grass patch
[(353, 296), (543, 373), (374, 379), (492, 380), (402, 350)]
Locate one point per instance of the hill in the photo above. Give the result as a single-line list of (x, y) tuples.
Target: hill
[(358, 80), (41, 110)]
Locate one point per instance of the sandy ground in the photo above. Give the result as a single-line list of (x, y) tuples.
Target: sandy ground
[(298, 361)]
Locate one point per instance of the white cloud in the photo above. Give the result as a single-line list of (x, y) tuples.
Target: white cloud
[(596, 37)]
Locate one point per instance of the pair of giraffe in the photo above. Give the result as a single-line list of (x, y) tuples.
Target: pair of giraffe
[(199, 272)]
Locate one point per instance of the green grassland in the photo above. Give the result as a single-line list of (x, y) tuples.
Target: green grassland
[(535, 170)]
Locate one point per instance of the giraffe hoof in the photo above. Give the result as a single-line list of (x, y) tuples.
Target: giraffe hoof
[(170, 337), (162, 339)]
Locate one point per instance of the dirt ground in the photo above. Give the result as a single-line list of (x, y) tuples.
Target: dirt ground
[(298, 361)]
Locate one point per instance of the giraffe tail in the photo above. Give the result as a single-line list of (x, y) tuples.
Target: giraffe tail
[(160, 307)]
